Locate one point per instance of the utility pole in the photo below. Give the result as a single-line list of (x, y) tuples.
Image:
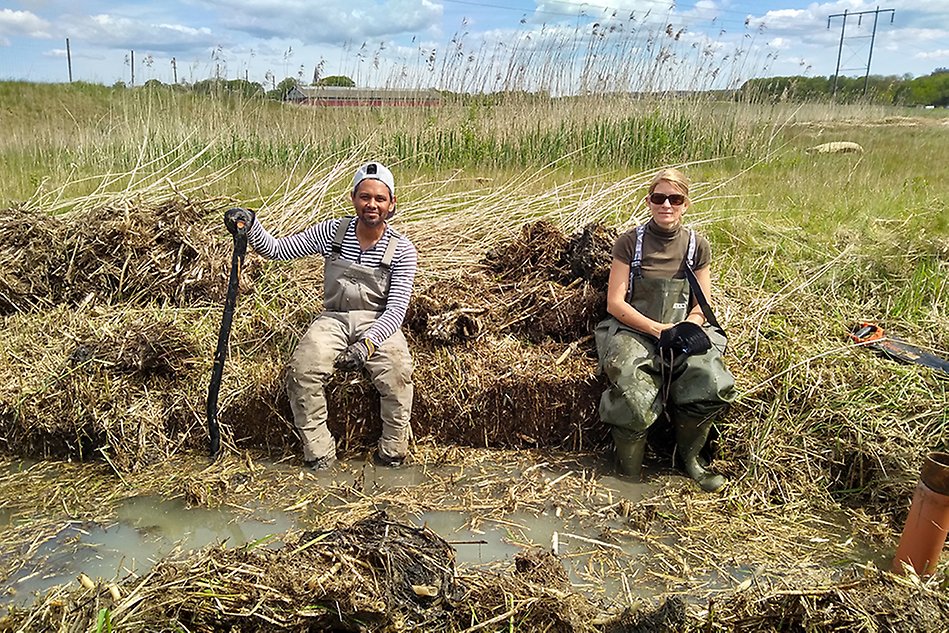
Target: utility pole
[(68, 60), (132, 65), (174, 70), (876, 14), (840, 48)]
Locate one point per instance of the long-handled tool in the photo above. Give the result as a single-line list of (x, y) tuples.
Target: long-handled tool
[(873, 336), (238, 230)]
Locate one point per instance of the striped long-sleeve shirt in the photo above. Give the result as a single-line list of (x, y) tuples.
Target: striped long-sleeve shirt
[(318, 240)]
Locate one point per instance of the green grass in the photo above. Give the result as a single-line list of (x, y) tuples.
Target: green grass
[(61, 133), (804, 245)]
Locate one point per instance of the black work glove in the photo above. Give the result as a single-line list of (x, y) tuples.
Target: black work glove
[(354, 357), (682, 340), (238, 220)]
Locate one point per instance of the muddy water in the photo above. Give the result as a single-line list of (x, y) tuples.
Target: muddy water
[(143, 529)]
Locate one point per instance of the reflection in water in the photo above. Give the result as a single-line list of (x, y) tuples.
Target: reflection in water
[(146, 529), (604, 540)]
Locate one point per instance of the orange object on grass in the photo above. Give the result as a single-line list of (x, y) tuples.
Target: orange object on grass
[(927, 525), (866, 332)]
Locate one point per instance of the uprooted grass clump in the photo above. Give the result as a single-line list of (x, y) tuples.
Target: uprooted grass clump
[(876, 602), (91, 380), (541, 285), (131, 254)]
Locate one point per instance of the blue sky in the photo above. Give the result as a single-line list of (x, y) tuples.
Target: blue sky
[(414, 41)]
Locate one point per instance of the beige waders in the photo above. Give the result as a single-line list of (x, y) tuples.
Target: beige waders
[(639, 391), (353, 298)]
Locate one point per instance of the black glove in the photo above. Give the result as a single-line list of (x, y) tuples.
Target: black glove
[(682, 340), (354, 357), (238, 220)]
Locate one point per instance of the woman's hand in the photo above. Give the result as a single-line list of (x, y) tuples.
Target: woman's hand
[(696, 317), (659, 328)]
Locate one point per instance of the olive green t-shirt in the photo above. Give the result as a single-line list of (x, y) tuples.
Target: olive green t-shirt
[(663, 251)]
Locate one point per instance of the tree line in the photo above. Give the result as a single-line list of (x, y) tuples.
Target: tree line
[(245, 88), (930, 90)]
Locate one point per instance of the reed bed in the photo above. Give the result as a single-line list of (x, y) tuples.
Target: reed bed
[(498, 344), (111, 302), (244, 147)]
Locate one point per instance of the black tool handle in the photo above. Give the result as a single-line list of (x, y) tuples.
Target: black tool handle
[(220, 354)]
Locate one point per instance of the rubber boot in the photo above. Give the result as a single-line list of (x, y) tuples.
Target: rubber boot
[(691, 434), (630, 448)]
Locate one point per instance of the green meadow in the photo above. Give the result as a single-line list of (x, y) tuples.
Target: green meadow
[(806, 244)]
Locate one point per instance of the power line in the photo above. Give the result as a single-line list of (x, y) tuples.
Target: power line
[(843, 27)]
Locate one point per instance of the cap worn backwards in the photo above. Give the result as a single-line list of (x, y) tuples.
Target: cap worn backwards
[(375, 171)]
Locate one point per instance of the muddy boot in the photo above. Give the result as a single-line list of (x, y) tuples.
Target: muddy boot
[(630, 448), (691, 434)]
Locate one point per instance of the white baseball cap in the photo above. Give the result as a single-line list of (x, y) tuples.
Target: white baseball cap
[(375, 171)]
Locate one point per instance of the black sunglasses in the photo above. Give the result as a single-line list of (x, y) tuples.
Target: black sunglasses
[(674, 199)]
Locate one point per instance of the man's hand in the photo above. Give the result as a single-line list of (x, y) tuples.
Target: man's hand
[(238, 220), (354, 357)]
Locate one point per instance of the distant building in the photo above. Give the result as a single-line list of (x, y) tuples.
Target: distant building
[(340, 96)]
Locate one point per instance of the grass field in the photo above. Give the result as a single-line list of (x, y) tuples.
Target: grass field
[(804, 245), (760, 193)]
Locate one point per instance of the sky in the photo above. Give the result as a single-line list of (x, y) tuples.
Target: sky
[(421, 42)]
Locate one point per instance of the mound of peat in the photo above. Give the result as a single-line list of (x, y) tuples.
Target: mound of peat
[(112, 319)]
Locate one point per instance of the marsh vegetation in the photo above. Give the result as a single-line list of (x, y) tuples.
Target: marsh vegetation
[(112, 269)]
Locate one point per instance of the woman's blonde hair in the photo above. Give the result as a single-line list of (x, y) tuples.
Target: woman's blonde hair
[(672, 176)]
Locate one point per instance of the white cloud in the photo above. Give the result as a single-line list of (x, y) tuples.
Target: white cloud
[(113, 31), (335, 21), (942, 53), (783, 19), (186, 30), (24, 23), (925, 6)]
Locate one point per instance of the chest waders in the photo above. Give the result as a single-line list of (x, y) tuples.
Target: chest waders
[(354, 295), (642, 388), (348, 286)]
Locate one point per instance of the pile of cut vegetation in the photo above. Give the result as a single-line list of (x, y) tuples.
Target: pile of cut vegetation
[(141, 255), (112, 316), (378, 574)]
